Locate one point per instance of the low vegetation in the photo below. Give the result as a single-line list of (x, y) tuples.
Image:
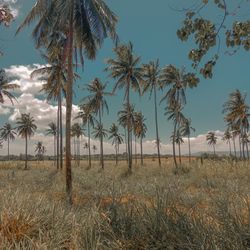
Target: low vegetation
[(205, 206)]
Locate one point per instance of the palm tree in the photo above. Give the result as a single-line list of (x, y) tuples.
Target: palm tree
[(140, 129), (77, 132), (211, 139), (5, 86), (52, 130), (86, 114), (40, 150), (7, 133), (178, 141), (26, 128), (186, 130), (117, 139), (97, 102), (227, 138), (125, 69), (94, 148), (99, 132), (85, 25), (151, 76), (246, 141)]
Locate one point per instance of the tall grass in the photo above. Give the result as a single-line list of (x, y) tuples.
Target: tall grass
[(206, 207)]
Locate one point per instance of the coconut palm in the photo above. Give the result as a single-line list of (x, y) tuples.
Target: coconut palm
[(98, 133), (85, 25), (86, 114), (7, 133), (140, 129), (178, 141), (5, 86), (77, 132), (227, 138), (26, 128), (125, 69), (52, 130), (152, 82), (117, 139), (186, 130), (211, 139), (40, 150), (97, 102), (246, 141)]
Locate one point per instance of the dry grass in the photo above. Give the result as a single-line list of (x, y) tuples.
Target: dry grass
[(201, 207)]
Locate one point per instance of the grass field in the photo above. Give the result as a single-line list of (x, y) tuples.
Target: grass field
[(200, 207)]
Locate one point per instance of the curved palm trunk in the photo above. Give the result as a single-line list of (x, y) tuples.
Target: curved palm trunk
[(156, 127), (26, 152), (69, 90), (89, 145), (141, 151), (174, 154), (8, 148), (189, 149), (101, 142)]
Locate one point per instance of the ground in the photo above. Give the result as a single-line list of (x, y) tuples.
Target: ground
[(200, 206)]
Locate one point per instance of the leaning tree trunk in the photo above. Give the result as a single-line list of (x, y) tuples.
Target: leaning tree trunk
[(141, 151), (26, 152), (89, 145), (101, 141), (156, 127), (69, 90)]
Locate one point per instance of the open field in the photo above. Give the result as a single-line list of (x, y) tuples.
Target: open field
[(202, 207)]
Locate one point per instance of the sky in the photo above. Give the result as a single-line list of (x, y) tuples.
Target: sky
[(151, 26)]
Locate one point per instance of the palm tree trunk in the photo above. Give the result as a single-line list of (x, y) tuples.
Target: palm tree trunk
[(60, 129), (135, 152), (8, 149), (179, 148), (174, 155), (189, 149), (89, 145), (214, 149), (116, 155), (126, 144), (69, 90), (101, 142), (156, 127), (247, 151), (141, 151), (234, 147), (26, 152), (74, 149), (240, 147), (128, 128), (230, 148), (58, 138), (55, 137)]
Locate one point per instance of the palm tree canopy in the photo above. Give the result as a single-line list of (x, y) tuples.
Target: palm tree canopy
[(125, 68), (227, 136), (40, 148), (5, 86), (186, 128), (86, 114), (211, 138), (126, 116), (178, 138), (115, 135), (93, 21), (7, 132), (76, 130), (99, 131), (52, 130), (140, 128), (26, 126)]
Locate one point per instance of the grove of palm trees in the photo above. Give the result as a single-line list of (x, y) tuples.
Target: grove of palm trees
[(137, 150)]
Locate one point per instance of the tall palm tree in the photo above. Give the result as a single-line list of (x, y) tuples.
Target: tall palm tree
[(227, 138), (26, 128), (77, 132), (212, 139), (7, 133), (117, 139), (178, 141), (140, 129), (125, 69), (85, 24), (5, 86), (186, 130), (86, 114), (152, 82), (99, 132), (40, 150), (52, 130), (97, 102)]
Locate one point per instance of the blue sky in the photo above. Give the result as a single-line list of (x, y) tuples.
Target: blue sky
[(151, 26)]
